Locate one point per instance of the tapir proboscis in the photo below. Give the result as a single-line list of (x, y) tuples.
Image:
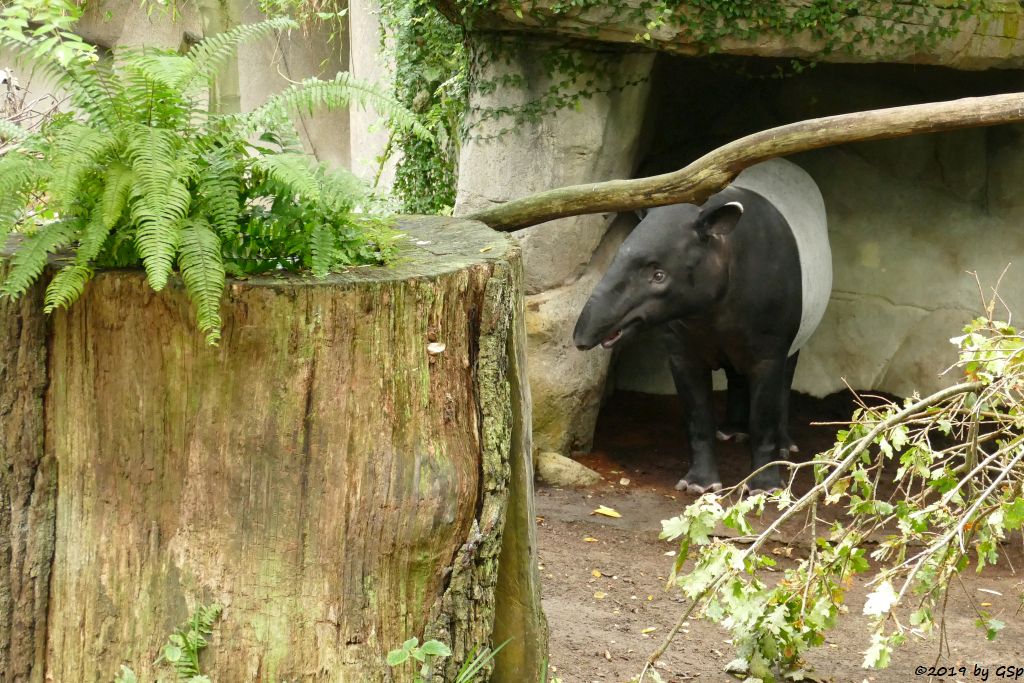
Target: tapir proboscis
[(739, 283)]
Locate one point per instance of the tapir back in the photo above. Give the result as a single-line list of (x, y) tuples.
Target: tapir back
[(796, 196)]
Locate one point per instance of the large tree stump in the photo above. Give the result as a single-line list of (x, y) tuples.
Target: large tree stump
[(329, 474)]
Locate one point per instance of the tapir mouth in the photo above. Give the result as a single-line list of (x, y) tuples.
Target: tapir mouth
[(616, 336), (610, 340)]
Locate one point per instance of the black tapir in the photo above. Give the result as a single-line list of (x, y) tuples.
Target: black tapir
[(739, 283)]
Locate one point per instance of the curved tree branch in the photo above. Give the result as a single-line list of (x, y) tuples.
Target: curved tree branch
[(716, 169)]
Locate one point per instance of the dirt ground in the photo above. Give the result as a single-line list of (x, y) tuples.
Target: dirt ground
[(604, 627)]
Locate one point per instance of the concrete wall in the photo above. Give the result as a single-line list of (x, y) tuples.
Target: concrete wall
[(345, 138)]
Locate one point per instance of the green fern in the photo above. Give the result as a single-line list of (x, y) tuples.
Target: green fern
[(184, 645), (209, 56), (203, 272), (144, 174), (66, 286), (312, 95), (118, 184), (31, 255)]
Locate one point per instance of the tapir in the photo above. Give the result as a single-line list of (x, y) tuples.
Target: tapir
[(738, 283)]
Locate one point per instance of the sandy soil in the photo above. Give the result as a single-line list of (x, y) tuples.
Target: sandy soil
[(604, 578)]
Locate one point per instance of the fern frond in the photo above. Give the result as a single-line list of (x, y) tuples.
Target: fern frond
[(161, 202), (94, 90), (208, 56), (18, 174), (293, 172), (217, 190), (323, 250), (312, 94), (78, 151), (150, 100), (202, 269), (160, 66), (66, 286), (341, 189), (32, 254), (119, 179)]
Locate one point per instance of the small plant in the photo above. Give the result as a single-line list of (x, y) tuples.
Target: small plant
[(425, 654), (144, 173), (957, 493), (429, 652), (181, 651)]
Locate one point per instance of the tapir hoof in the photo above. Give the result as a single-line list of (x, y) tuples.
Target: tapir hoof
[(753, 491), (688, 487), (730, 435), (766, 482)]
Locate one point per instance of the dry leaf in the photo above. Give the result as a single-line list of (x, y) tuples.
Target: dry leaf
[(649, 629), (606, 511), (590, 539), (486, 249), (600, 595), (596, 572)]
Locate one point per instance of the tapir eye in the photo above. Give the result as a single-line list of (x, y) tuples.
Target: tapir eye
[(658, 276)]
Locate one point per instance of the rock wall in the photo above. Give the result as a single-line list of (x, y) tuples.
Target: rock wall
[(596, 141)]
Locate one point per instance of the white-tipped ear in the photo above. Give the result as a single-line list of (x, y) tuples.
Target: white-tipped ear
[(720, 220)]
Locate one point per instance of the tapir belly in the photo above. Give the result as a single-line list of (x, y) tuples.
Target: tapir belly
[(796, 196)]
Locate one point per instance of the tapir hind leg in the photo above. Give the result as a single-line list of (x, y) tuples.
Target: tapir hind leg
[(737, 407), (693, 383), (786, 443)]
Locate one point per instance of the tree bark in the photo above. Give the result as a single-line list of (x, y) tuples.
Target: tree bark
[(338, 474), (716, 169), (27, 489)]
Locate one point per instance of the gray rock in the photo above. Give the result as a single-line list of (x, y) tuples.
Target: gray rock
[(555, 469)]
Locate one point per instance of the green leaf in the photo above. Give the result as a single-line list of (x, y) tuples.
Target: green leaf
[(396, 657), (436, 648), (878, 654), (172, 653), (1013, 514)]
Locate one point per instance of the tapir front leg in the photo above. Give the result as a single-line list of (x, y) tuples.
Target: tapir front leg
[(737, 407), (693, 384), (767, 411)]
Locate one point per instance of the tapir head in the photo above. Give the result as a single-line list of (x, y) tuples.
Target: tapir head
[(674, 264)]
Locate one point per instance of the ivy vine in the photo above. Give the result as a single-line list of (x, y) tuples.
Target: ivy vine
[(431, 78)]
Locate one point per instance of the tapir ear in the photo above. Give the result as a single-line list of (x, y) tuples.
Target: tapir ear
[(719, 221)]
